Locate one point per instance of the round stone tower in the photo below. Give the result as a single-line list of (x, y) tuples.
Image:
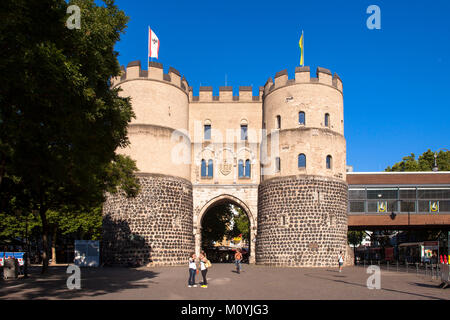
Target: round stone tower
[(302, 198), (156, 226)]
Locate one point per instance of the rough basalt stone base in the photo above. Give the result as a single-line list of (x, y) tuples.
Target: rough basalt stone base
[(155, 227), (302, 221)]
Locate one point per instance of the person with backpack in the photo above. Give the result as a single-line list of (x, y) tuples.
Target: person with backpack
[(238, 260), (204, 265)]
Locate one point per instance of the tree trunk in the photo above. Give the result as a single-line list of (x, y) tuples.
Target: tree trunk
[(42, 213), (55, 229)]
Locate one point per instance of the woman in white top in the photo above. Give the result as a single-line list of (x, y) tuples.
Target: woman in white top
[(340, 260), (192, 270)]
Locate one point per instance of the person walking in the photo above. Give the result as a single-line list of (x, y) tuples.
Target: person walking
[(238, 260), (204, 264), (340, 260), (192, 270)]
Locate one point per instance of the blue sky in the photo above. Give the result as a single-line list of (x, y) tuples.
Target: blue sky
[(396, 80)]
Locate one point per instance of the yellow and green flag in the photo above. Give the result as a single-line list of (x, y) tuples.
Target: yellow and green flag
[(300, 43)]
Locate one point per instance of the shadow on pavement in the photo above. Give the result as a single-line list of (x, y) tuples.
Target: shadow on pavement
[(94, 282), (426, 285), (383, 289)]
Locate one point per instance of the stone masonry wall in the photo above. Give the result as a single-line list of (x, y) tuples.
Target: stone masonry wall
[(302, 221), (155, 227)]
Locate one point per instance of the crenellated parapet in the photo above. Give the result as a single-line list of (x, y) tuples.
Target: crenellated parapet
[(155, 72), (302, 76), (226, 94)]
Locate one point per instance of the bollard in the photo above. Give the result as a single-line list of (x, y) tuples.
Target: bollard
[(407, 266), (426, 269), (417, 269), (387, 265), (397, 266), (364, 263)]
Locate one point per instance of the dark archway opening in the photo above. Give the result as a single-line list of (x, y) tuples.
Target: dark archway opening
[(225, 228)]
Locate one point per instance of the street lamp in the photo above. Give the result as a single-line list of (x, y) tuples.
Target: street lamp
[(435, 166)]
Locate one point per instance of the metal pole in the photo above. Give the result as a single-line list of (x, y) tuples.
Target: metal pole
[(25, 267), (387, 265), (397, 265), (417, 269)]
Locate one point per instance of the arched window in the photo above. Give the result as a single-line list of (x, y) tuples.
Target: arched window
[(203, 168), (207, 131), (327, 119), (244, 132), (210, 168), (301, 118), (241, 168), (278, 122), (329, 162), (301, 160), (247, 168)]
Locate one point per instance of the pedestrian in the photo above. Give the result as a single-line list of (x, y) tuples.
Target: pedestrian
[(204, 265), (192, 270), (237, 260), (340, 260)]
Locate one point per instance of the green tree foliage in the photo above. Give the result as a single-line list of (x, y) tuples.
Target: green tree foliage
[(224, 221), (60, 121), (216, 224), (241, 224), (355, 237), (425, 162)]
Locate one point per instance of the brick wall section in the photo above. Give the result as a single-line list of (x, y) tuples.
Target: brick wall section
[(155, 227), (315, 230)]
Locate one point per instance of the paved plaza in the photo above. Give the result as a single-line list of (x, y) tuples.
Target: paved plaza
[(255, 282)]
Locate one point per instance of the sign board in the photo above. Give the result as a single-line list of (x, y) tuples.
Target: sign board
[(87, 253), (428, 248), (9, 255)]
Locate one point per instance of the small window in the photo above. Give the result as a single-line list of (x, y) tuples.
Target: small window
[(210, 168), (329, 162), (241, 168), (203, 168), (244, 132), (278, 122), (277, 164), (301, 118), (244, 171), (247, 168), (327, 120), (301, 161), (207, 132)]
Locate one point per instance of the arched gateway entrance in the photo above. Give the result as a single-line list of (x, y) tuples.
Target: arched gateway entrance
[(219, 200)]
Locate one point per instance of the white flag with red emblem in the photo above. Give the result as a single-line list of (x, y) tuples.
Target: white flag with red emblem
[(153, 44)]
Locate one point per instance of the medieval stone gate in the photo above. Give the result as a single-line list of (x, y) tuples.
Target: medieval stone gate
[(207, 197), (278, 152)]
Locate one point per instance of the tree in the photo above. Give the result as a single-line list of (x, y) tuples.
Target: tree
[(61, 122), (355, 237), (425, 162), (241, 224), (216, 224)]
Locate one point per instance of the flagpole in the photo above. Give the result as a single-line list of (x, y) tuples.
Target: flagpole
[(303, 49), (148, 48)]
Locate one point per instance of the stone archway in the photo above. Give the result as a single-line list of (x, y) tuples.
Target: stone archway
[(225, 198)]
